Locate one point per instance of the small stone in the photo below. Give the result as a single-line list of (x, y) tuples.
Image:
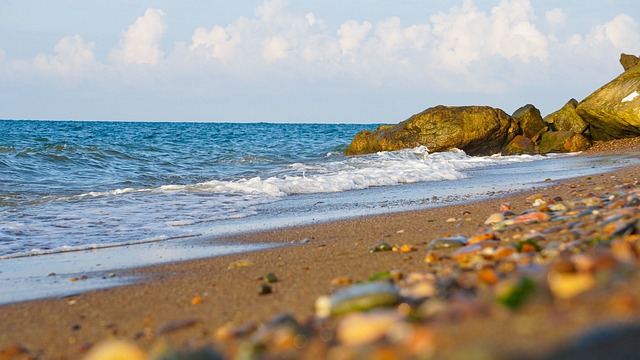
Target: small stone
[(488, 276), (494, 219), (358, 297), (407, 248), (431, 257), (271, 278), (381, 246), (265, 289), (359, 328), (568, 285), (341, 281), (446, 243), (506, 207), (240, 264), (116, 349), (489, 235), (532, 217), (197, 300)]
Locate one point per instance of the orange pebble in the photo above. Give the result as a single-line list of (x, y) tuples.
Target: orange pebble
[(488, 276), (481, 237), (197, 300), (503, 252), (407, 248)]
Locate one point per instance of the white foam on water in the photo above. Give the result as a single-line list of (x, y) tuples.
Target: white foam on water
[(129, 215)]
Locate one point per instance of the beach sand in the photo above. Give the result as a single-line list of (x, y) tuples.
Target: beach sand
[(211, 302)]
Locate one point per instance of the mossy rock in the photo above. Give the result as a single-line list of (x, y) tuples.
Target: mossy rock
[(613, 111), (477, 130), (628, 61), (520, 145), (530, 121), (563, 142), (567, 119)]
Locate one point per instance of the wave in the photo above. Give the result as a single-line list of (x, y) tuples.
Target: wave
[(347, 173)]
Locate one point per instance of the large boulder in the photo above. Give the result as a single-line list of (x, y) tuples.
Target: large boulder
[(478, 130), (628, 61), (613, 111), (520, 145), (530, 121), (563, 142), (567, 119)]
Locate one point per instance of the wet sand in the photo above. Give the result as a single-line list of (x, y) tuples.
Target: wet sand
[(187, 305)]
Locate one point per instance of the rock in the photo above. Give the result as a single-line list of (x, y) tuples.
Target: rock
[(563, 141), (568, 285), (446, 243), (567, 119), (359, 329), (530, 121), (477, 130), (519, 145), (613, 111), (116, 349), (359, 297), (628, 61)]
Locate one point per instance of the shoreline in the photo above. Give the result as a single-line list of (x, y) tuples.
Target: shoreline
[(98, 267), (229, 295)]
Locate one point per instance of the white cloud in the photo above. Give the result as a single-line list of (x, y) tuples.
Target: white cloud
[(275, 48), (216, 43), (466, 34), (72, 58), (622, 32), (556, 18), (140, 43), (351, 34)]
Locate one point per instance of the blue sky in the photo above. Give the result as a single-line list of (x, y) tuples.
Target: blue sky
[(356, 61)]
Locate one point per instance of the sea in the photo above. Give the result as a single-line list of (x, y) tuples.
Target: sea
[(77, 185)]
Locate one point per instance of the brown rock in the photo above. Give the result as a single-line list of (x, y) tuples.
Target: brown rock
[(567, 119), (519, 145), (613, 111), (628, 61), (562, 142), (530, 121), (478, 130)]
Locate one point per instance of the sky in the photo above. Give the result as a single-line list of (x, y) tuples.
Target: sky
[(331, 61)]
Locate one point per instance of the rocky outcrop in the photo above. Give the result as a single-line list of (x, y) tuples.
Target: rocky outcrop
[(562, 142), (613, 111), (567, 119), (628, 61), (520, 145), (477, 130), (530, 121)]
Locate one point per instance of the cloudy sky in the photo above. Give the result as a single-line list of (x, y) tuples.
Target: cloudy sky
[(356, 61)]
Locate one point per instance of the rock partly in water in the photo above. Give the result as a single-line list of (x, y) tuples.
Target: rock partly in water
[(628, 61), (613, 111), (563, 142), (477, 130), (519, 145), (530, 121), (567, 119)]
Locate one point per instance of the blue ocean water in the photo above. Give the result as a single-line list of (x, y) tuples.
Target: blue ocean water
[(80, 185)]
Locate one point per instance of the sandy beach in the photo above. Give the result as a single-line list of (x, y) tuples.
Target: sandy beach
[(221, 302)]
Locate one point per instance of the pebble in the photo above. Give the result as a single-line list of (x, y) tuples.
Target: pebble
[(363, 328), (240, 264), (446, 243), (358, 297), (568, 285), (381, 246), (116, 349)]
